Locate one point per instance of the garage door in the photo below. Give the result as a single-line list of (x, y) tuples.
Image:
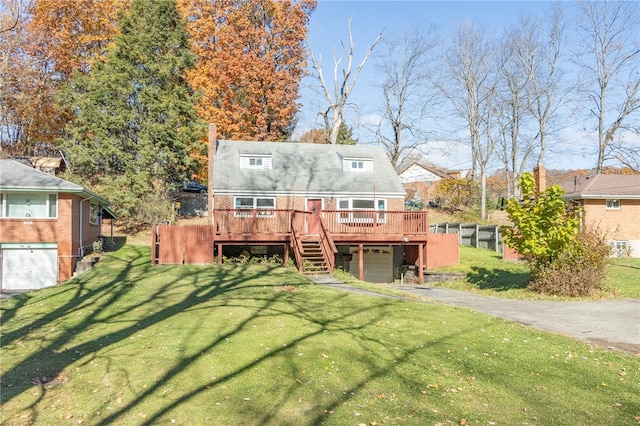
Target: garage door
[(378, 264), (29, 266)]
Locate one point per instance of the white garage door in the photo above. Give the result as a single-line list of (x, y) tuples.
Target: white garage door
[(378, 264), (29, 266)]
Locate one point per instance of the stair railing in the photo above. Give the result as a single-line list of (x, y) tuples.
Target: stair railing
[(327, 246), (296, 243)]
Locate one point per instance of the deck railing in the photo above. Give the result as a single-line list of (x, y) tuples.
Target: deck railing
[(252, 221), (336, 222), (375, 223)]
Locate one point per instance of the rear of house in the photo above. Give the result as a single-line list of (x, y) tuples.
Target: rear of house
[(350, 188), (46, 225)]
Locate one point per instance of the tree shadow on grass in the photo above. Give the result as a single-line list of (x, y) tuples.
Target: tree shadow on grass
[(497, 279), (125, 299)]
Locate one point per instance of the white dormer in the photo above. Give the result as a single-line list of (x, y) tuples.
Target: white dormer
[(357, 164), (250, 161)]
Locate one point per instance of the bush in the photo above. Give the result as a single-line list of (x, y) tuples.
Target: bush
[(578, 270)]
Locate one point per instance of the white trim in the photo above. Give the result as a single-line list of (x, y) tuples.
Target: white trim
[(615, 204), (253, 193), (362, 164), (260, 162), (268, 210), (353, 217), (47, 205)]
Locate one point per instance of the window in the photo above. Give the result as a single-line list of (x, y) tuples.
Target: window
[(365, 210), (613, 204), (255, 162), (621, 249), (357, 165), (30, 205), (94, 214), (257, 203)]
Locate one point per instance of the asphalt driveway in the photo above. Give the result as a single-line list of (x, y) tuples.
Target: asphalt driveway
[(614, 324)]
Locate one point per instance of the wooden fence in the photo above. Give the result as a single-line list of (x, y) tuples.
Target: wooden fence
[(442, 250), (472, 234), (185, 244)]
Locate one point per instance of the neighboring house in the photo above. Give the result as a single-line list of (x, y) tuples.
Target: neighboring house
[(46, 225), (52, 166), (611, 202), (420, 181)]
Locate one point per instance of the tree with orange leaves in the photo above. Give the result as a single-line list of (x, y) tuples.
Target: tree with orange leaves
[(250, 60), (47, 41)]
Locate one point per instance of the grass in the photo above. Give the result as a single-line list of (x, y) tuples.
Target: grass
[(134, 344), (487, 273), (624, 277)]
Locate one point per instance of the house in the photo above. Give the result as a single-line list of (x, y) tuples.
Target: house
[(352, 192), (330, 205), (420, 181), (46, 225), (612, 203)]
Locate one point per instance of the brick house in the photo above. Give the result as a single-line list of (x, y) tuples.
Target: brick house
[(612, 203), (420, 181), (46, 225), (352, 192)]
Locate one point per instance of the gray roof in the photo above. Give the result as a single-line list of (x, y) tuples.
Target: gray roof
[(303, 169), (16, 176), (604, 186)]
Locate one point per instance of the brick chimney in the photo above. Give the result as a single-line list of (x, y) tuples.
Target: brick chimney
[(540, 175), (212, 138)]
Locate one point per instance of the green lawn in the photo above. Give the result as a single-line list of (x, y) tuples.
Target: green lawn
[(132, 344), (487, 273)]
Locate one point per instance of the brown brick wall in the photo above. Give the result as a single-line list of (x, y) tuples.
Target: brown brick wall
[(620, 224), (65, 231)]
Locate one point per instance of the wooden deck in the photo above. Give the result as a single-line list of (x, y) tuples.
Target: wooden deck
[(313, 236), (243, 226)]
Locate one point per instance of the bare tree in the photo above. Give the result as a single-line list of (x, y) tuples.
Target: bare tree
[(342, 85), (514, 81), (541, 55), (610, 59), (531, 78), (471, 87), (405, 67)]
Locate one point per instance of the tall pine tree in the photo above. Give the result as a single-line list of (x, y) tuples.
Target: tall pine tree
[(135, 125)]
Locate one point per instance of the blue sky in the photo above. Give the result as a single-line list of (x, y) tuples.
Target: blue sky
[(328, 27)]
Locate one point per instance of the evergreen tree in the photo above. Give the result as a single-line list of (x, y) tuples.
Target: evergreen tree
[(345, 135), (135, 123)]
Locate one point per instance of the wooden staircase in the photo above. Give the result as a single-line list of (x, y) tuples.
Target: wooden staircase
[(313, 261)]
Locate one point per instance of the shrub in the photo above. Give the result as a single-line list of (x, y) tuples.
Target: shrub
[(578, 269), (543, 227), (457, 193)]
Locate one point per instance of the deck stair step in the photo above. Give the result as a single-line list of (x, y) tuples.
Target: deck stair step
[(313, 260)]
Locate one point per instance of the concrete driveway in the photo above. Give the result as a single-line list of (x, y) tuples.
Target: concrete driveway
[(614, 324)]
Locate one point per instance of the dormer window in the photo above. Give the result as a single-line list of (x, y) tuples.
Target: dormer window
[(357, 164), (261, 162)]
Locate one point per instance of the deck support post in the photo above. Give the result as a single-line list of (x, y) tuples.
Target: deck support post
[(361, 262), (421, 250), (219, 254), (286, 255)]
